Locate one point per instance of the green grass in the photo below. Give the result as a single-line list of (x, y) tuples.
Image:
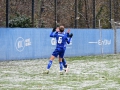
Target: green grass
[(98, 57), (85, 73)]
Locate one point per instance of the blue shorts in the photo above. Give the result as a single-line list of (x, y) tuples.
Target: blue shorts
[(59, 51)]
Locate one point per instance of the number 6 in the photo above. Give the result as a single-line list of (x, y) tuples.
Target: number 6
[(60, 40)]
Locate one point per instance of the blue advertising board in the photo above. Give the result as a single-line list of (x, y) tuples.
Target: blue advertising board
[(118, 41), (32, 43), (91, 42)]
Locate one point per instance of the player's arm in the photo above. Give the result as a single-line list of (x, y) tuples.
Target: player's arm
[(52, 34), (69, 39), (68, 32)]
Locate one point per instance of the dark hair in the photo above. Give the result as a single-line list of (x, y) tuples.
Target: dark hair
[(61, 28)]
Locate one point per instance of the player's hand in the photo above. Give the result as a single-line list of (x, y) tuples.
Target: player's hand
[(57, 29), (71, 35), (68, 31), (54, 29)]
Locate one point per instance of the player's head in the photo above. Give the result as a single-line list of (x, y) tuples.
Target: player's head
[(61, 28)]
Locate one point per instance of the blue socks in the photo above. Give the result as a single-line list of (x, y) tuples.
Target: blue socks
[(64, 62), (61, 66), (49, 64)]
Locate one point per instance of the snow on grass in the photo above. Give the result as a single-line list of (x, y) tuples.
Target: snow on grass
[(87, 74)]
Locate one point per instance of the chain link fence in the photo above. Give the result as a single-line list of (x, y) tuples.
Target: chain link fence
[(71, 13)]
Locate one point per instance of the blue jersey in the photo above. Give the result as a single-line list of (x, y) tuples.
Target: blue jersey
[(61, 39)]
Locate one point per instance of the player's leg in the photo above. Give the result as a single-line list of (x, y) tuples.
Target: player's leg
[(61, 55), (50, 62), (61, 66), (65, 65), (54, 54), (64, 62)]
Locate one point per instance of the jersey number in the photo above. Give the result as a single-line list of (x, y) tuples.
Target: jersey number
[(60, 40)]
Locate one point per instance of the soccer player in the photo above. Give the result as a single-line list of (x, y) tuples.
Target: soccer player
[(61, 38), (63, 60)]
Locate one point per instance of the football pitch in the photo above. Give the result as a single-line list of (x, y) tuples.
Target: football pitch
[(85, 73)]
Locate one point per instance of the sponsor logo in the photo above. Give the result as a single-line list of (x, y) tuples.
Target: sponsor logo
[(53, 41), (102, 42), (21, 43)]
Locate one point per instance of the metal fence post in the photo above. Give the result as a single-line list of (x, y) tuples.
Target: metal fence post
[(94, 16), (76, 13), (33, 13), (115, 41), (110, 7), (7, 13), (55, 13)]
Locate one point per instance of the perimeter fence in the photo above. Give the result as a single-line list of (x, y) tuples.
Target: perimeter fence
[(71, 13)]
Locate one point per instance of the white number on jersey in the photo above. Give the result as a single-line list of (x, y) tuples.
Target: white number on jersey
[(60, 40)]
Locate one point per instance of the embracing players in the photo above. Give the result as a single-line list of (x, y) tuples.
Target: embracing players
[(61, 39)]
